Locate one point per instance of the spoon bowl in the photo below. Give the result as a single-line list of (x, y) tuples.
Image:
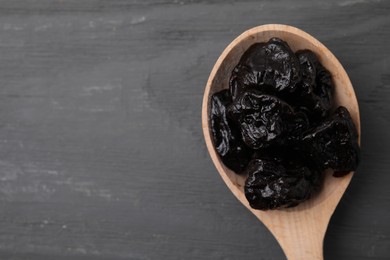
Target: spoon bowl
[(299, 230)]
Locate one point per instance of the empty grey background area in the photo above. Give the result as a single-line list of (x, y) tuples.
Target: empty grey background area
[(101, 148)]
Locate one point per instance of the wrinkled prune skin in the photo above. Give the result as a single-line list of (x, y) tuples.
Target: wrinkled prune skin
[(296, 126), (226, 135), (272, 185), (275, 125), (265, 120), (314, 93), (334, 143), (270, 67), (261, 118)]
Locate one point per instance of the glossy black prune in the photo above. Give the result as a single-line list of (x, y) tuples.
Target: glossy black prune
[(272, 185), (226, 136), (265, 120), (270, 67), (314, 93), (334, 143)]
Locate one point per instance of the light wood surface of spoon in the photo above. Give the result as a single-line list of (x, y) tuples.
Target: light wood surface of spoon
[(300, 230)]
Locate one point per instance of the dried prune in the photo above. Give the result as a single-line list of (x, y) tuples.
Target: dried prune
[(333, 144), (324, 85), (270, 67), (274, 125), (271, 185), (313, 95), (265, 120), (226, 135)]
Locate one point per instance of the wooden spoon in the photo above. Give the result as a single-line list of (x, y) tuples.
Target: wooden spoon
[(300, 230)]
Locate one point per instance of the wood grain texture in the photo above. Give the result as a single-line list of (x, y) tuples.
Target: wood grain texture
[(101, 147)]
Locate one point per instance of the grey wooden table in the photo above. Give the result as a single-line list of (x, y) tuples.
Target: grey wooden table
[(101, 149)]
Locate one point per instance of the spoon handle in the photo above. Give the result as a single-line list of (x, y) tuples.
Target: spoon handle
[(304, 249), (304, 242)]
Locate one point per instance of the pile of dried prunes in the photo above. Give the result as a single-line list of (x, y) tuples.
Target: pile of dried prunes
[(276, 124)]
